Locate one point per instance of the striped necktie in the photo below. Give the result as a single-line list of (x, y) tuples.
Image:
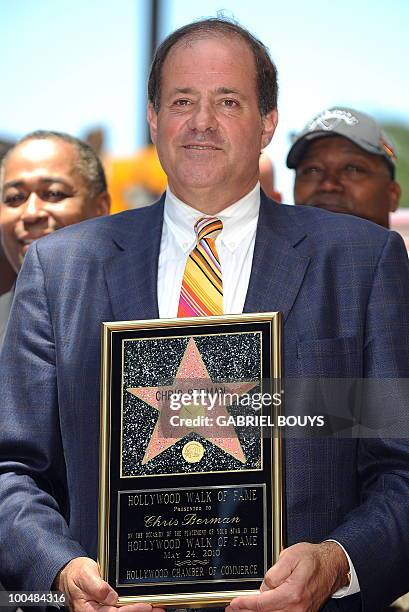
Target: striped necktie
[(201, 293)]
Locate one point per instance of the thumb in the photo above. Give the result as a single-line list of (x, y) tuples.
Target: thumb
[(91, 583), (277, 574)]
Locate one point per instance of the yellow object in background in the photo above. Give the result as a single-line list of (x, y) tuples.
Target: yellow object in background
[(135, 181)]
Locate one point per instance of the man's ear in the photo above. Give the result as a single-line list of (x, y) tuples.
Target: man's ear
[(153, 121), (269, 125), (102, 204), (394, 195)]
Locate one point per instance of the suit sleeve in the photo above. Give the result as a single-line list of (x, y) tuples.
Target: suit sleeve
[(35, 540), (376, 533)]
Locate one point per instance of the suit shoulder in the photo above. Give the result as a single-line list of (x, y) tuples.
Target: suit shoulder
[(97, 236), (335, 236), (327, 226)]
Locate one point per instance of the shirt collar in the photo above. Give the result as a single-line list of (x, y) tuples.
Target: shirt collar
[(239, 219)]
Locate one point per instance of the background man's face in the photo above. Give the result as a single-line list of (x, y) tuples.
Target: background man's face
[(42, 191), (337, 175), (209, 130)]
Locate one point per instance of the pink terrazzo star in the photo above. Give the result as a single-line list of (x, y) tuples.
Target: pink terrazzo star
[(191, 369)]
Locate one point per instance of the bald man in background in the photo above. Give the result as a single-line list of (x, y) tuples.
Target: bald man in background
[(48, 180)]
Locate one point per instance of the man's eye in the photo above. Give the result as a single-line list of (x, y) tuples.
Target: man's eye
[(53, 195), (181, 102), (355, 169), (14, 199), (229, 103), (310, 171)]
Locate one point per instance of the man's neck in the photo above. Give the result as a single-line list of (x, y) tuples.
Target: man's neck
[(210, 201)]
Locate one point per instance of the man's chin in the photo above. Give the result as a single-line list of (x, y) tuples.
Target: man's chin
[(330, 206)]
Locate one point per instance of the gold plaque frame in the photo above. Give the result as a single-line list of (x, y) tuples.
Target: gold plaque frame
[(126, 348)]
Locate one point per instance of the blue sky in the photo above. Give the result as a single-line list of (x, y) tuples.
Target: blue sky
[(73, 64)]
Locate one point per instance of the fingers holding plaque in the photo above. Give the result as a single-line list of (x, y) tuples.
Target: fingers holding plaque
[(190, 483)]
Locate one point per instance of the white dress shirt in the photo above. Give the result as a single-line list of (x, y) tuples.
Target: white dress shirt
[(235, 246)]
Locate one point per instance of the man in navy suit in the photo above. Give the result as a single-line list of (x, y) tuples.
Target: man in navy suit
[(341, 283)]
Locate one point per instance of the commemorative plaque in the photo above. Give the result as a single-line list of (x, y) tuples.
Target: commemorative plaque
[(190, 509)]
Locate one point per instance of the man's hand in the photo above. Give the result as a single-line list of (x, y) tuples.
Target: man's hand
[(303, 578), (80, 580)]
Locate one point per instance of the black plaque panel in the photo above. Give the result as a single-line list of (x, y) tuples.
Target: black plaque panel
[(198, 534)]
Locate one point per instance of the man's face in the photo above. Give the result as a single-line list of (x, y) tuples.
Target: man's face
[(42, 191), (209, 130), (337, 175)]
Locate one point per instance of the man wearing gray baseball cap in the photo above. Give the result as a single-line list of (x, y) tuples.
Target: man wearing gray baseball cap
[(345, 162)]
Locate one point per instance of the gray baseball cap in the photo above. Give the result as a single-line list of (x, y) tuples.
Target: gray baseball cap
[(358, 127)]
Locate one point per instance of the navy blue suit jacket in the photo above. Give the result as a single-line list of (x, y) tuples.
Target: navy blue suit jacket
[(343, 286)]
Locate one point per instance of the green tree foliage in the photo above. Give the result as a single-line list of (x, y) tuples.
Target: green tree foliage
[(400, 135)]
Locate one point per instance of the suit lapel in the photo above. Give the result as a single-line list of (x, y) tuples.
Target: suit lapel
[(132, 273), (278, 269)]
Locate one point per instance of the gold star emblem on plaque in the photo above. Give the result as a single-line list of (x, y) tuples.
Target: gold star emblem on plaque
[(191, 370)]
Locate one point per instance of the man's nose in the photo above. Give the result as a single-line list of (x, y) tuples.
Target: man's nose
[(33, 209), (331, 181), (203, 118)]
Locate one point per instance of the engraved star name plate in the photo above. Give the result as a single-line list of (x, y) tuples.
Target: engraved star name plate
[(191, 493)]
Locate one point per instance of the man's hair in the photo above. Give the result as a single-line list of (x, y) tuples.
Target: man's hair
[(88, 163), (266, 72)]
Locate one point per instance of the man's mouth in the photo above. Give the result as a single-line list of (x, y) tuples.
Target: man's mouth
[(327, 206), (202, 147)]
